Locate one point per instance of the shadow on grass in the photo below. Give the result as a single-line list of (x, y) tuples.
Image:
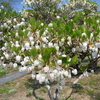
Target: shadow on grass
[(93, 94), (34, 85), (97, 96), (77, 88), (97, 70)]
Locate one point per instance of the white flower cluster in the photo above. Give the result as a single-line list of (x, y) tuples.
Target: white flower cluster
[(46, 52), (14, 23), (38, 42)]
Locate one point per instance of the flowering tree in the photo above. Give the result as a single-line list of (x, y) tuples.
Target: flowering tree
[(56, 50)]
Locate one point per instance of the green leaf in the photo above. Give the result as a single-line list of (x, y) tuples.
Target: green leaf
[(32, 22), (25, 34), (46, 53), (83, 67), (12, 33), (20, 32), (74, 60), (88, 33), (67, 28), (16, 49), (41, 31), (34, 52), (73, 34), (64, 60)]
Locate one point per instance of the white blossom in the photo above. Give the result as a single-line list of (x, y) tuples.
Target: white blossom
[(97, 44), (58, 67), (17, 44), (74, 71), (44, 39), (85, 73), (73, 50), (33, 76), (31, 38), (97, 21), (66, 73), (64, 55), (63, 39), (30, 68), (3, 48), (42, 24), (5, 25), (52, 76), (23, 63), (36, 63), (59, 62), (94, 55), (46, 69), (50, 25), (14, 65), (69, 43), (37, 46), (32, 43), (61, 74), (69, 75), (50, 44), (83, 46), (22, 49), (40, 66), (58, 17), (92, 71), (27, 45), (6, 55), (9, 21), (41, 78), (4, 65), (55, 72), (39, 56), (69, 59), (57, 47), (91, 35), (18, 58), (23, 69), (14, 20), (23, 19), (17, 34), (83, 34)]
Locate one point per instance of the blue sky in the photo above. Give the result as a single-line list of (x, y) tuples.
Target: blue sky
[(18, 6)]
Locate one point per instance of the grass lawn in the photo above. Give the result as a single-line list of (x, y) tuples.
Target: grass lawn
[(88, 88)]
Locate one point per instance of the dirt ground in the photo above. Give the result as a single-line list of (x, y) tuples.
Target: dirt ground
[(88, 88)]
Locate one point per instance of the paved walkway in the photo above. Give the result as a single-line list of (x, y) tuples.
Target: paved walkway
[(12, 76)]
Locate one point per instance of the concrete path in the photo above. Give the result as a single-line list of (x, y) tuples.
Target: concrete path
[(12, 76)]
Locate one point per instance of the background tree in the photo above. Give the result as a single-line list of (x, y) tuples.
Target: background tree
[(6, 5), (10, 3)]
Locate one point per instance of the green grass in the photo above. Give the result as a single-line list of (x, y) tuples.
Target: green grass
[(66, 99), (89, 81), (29, 92), (4, 89), (43, 90), (10, 83), (96, 87), (26, 83), (12, 91), (90, 92), (40, 98), (83, 82), (2, 72)]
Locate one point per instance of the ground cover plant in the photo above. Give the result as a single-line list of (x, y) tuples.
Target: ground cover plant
[(55, 46)]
